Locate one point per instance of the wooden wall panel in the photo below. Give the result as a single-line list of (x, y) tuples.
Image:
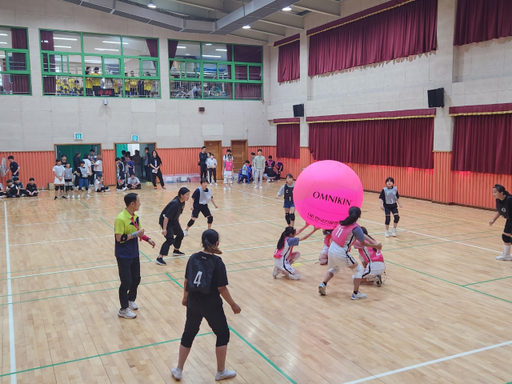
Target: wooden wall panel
[(109, 166), (38, 165)]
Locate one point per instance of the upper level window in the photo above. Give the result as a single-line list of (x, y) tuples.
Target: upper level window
[(14, 62)]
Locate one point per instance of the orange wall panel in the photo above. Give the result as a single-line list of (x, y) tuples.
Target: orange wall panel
[(443, 177), (109, 166), (38, 165)]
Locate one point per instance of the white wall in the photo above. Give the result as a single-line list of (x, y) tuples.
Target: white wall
[(474, 74), (38, 122)]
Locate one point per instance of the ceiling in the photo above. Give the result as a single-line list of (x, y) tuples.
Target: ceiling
[(219, 17)]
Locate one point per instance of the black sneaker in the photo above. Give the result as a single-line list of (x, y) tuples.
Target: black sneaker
[(379, 281), (160, 261), (64, 197), (176, 252), (55, 198)]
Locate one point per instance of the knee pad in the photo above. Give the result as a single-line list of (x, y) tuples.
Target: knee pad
[(506, 238), (209, 219), (388, 219), (287, 218), (358, 271), (292, 216), (334, 270), (190, 223), (397, 218)]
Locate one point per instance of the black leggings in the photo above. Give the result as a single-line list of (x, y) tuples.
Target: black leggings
[(159, 175), (394, 210), (212, 171), (216, 320), (203, 171), (172, 230), (129, 273)]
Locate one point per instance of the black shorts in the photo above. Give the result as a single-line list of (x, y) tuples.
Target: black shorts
[(203, 208), (508, 226), (391, 208)]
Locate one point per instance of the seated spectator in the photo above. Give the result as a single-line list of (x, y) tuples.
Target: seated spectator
[(133, 182), (270, 173), (243, 174), (11, 190), (31, 190), (2, 192), (98, 185), (19, 186), (279, 169)]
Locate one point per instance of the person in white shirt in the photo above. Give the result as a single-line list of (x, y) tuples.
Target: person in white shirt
[(133, 182), (211, 165), (98, 167), (58, 182), (88, 165), (98, 185)]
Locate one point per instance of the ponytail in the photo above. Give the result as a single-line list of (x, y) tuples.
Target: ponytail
[(183, 191), (500, 188), (209, 239), (354, 213), (289, 231)]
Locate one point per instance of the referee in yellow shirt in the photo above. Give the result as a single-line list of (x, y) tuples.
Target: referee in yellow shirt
[(127, 231)]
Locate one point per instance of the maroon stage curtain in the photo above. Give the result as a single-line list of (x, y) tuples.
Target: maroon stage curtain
[(482, 20), (288, 63), (481, 143), (172, 47), (247, 54), (20, 83), (49, 82), (397, 142), (410, 29), (248, 91), (288, 141), (153, 49)]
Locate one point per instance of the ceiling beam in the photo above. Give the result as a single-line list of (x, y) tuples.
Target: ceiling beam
[(286, 20), (211, 5), (324, 7)]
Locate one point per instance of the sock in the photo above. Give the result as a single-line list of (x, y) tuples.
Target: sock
[(355, 292), (325, 283), (507, 250)]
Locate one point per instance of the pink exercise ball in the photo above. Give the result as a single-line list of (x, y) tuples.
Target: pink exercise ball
[(325, 191)]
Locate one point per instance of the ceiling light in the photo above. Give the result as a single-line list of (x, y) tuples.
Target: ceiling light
[(287, 9), (113, 42), (221, 50), (62, 46), (92, 61), (107, 49), (65, 38), (246, 27), (208, 44), (3, 42), (216, 57), (4, 34), (151, 4), (187, 54), (181, 47)]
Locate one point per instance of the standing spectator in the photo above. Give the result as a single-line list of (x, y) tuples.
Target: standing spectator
[(225, 157), (155, 164), (13, 167), (202, 162), (137, 162), (76, 165), (130, 164), (147, 162), (127, 229), (64, 160), (211, 165), (258, 167), (121, 176), (58, 182), (68, 179), (90, 175), (98, 167)]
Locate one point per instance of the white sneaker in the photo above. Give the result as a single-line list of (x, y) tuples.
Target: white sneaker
[(225, 375), (216, 184), (321, 289), (210, 183), (78, 197), (386, 233), (125, 188), (88, 195), (176, 373), (503, 257), (126, 313), (185, 233), (358, 295), (73, 196), (291, 276), (268, 181), (275, 272), (261, 187), (393, 232), (225, 188), (229, 188), (255, 186), (133, 306)]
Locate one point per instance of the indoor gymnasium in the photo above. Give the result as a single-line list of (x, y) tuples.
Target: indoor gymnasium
[(255, 191)]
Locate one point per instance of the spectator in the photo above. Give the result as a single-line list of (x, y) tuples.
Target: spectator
[(31, 190), (155, 164), (130, 165), (10, 190), (14, 168), (211, 165), (202, 162), (137, 162), (76, 165), (133, 182), (147, 162), (98, 167), (58, 182)]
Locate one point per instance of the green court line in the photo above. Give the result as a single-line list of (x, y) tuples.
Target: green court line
[(488, 294), (424, 273), (86, 206), (142, 253), (488, 281), (263, 356), (246, 342), (99, 355)]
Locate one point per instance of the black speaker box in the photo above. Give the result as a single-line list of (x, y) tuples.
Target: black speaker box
[(298, 110), (436, 98)]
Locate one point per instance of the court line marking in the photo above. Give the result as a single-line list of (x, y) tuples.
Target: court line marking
[(415, 366), (487, 281), (12, 344), (86, 206), (100, 355), (247, 342)]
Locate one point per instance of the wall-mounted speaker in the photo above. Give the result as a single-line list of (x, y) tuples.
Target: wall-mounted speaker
[(436, 98), (202, 109), (298, 110)]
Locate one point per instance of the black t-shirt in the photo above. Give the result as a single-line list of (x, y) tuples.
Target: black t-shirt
[(31, 187), (504, 207), (202, 158), (219, 279), (14, 168), (172, 211), (288, 193)]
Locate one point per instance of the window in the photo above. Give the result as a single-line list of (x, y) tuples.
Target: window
[(14, 62), (215, 71), (94, 65)]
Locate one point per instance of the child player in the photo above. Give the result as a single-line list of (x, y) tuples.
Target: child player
[(199, 204), (388, 199), (68, 179), (372, 260), (289, 208)]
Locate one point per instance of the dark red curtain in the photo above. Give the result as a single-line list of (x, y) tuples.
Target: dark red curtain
[(247, 91), (482, 20), (406, 30), (288, 141), (49, 82), (288, 63), (398, 142), (20, 83), (247, 54), (153, 49), (481, 143)]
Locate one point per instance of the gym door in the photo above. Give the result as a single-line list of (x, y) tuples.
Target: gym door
[(215, 147), (239, 150)]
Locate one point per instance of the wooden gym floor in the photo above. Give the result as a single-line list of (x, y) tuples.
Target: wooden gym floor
[(442, 316)]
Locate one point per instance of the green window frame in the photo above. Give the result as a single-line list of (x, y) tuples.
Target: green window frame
[(15, 77), (112, 69), (213, 75)]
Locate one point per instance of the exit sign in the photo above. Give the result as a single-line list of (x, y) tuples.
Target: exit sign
[(135, 137), (79, 136)]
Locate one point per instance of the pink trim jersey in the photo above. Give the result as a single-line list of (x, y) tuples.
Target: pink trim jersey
[(344, 236), (366, 252), (287, 249), (229, 166)]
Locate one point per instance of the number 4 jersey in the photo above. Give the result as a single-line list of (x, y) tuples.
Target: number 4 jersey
[(205, 273)]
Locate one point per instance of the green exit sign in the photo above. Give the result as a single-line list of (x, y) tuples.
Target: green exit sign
[(135, 137), (79, 136)]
